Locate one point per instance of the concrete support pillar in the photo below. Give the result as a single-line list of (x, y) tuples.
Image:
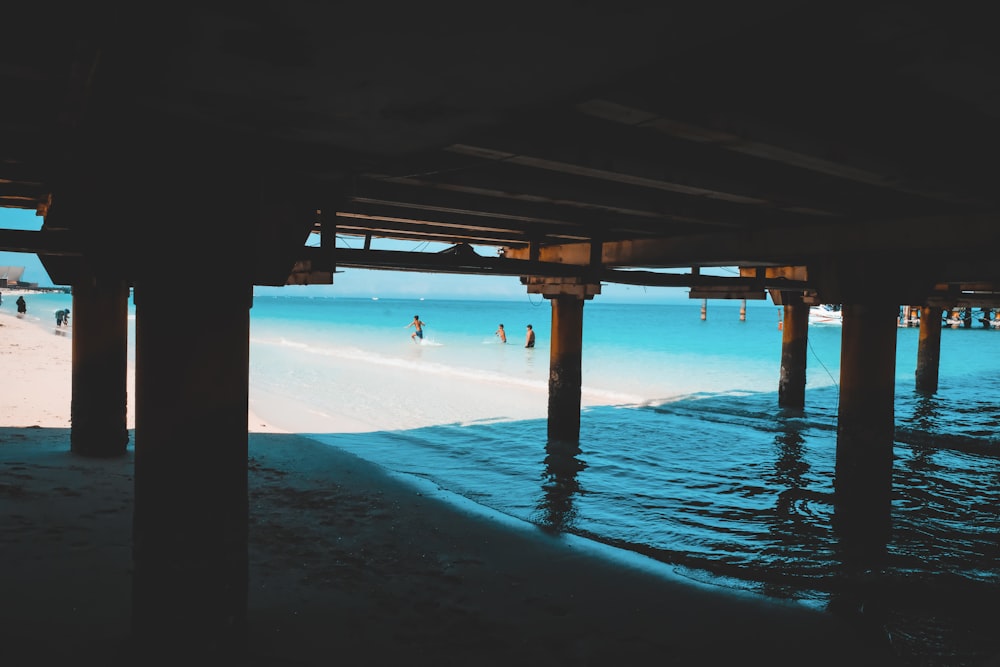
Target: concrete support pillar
[(189, 594), (565, 375), (866, 425), (929, 350), (100, 366), (794, 345)]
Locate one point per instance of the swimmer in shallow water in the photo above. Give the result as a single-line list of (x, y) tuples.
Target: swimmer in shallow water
[(418, 334)]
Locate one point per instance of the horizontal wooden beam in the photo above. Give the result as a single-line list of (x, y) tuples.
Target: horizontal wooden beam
[(883, 176), (727, 292), (495, 180), (584, 145), (491, 208), (411, 229), (39, 242), (434, 262), (640, 180), (663, 279), (440, 219), (463, 260), (500, 183), (973, 236)]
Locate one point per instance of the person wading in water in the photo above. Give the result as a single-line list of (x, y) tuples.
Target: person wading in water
[(419, 326)]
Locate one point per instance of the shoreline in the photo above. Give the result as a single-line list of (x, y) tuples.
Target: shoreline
[(348, 559), (46, 377)]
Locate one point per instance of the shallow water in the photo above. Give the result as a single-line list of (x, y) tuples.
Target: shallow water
[(684, 455)]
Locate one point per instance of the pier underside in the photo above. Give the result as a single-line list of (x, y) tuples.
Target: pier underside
[(844, 156)]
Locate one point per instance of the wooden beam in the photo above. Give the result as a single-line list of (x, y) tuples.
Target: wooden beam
[(881, 176), (435, 262), (727, 292), (40, 242), (603, 174), (313, 260), (972, 235), (520, 209), (476, 222), (490, 187), (425, 230), (584, 145), (664, 279), (503, 180)]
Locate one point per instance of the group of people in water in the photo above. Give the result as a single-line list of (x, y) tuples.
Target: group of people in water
[(529, 337), (62, 316), (418, 332)]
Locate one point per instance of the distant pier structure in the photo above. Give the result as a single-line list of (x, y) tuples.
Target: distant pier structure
[(956, 318)]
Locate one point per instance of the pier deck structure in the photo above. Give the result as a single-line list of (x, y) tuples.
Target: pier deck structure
[(837, 155)]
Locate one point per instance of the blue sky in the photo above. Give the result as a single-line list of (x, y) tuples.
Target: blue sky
[(383, 284)]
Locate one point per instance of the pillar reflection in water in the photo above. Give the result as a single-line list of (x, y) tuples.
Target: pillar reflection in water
[(794, 505), (862, 541), (559, 485), (927, 413), (862, 551), (790, 468)]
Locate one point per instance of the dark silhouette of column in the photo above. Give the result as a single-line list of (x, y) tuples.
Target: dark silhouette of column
[(865, 426), (189, 592), (565, 375), (929, 350), (794, 344), (100, 367)]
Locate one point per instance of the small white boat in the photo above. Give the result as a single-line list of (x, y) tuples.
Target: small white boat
[(826, 314)]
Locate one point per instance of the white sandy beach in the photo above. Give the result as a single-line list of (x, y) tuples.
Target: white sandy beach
[(349, 564), (37, 362)]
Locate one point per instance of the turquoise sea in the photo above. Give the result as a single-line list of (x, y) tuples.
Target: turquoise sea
[(685, 458)]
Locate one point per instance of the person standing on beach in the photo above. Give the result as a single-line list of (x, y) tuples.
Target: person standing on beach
[(529, 339), (419, 329), (501, 334), (22, 305), (60, 314)]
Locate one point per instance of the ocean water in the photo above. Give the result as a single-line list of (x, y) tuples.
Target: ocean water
[(684, 456)]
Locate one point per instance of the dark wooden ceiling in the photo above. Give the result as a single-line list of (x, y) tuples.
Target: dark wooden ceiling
[(751, 134)]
